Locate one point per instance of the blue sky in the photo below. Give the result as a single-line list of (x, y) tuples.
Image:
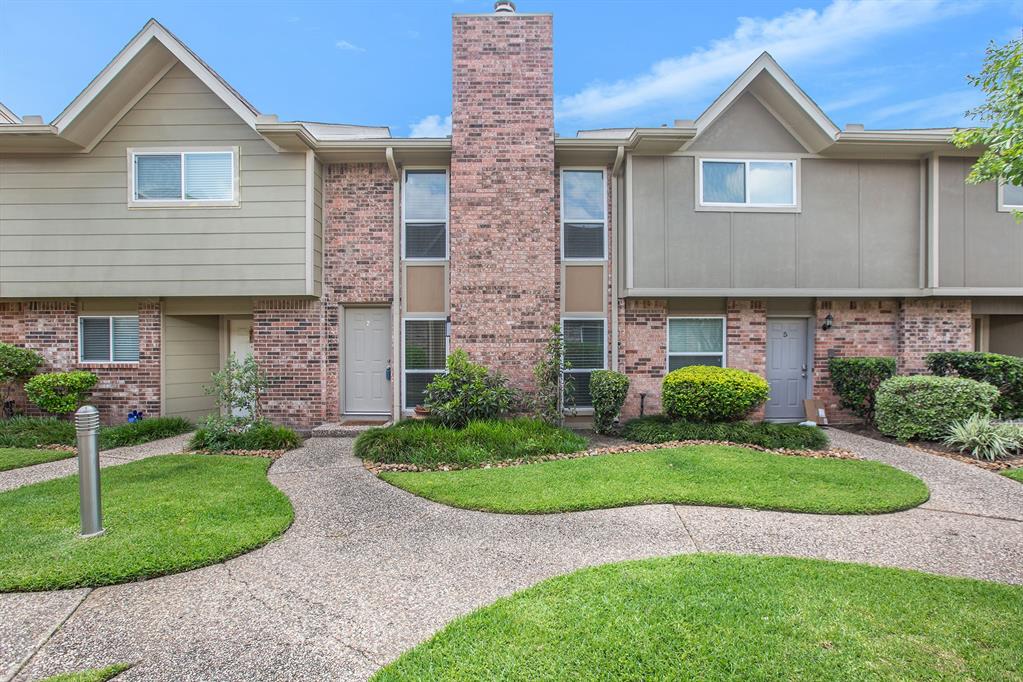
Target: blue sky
[(890, 64)]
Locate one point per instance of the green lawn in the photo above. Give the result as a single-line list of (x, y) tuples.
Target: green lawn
[(162, 515), (94, 675), (704, 474), (1014, 474), (713, 617), (15, 458)]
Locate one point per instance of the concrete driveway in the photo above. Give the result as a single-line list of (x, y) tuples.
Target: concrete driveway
[(368, 570)]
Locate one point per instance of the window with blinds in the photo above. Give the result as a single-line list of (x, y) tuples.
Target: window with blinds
[(583, 214), (584, 352), (425, 214), (108, 339), (199, 176), (696, 341), (425, 355)]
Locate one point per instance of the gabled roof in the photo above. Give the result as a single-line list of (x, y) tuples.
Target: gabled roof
[(7, 116), (781, 96)]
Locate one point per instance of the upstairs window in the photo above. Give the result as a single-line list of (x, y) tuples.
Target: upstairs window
[(108, 339), (1010, 197), (758, 184), (183, 177), (425, 214), (696, 341), (583, 214)]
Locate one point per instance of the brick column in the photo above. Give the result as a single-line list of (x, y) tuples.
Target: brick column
[(642, 353), (287, 344), (931, 325), (746, 335)]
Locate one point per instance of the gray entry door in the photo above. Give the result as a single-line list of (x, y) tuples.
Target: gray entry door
[(786, 368), (366, 361)]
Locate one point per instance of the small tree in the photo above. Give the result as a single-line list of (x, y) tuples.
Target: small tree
[(17, 364), (554, 388), (609, 390), (1001, 80), (238, 388), (467, 391)]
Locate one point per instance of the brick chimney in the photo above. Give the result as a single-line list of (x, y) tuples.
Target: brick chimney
[(503, 238)]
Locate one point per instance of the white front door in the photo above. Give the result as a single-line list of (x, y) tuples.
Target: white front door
[(367, 361), (240, 344)]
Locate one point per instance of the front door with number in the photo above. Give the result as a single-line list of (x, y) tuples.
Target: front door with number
[(786, 368), (367, 361)]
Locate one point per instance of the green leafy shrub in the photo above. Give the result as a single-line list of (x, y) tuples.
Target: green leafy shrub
[(30, 432), (429, 444), (60, 392), (609, 390), (984, 438), (555, 389), (856, 381), (231, 433), (467, 391), (712, 394), (1004, 372), (925, 406), (661, 429), (144, 431), (238, 387), (17, 364)]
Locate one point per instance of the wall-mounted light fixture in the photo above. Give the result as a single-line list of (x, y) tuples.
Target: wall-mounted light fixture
[(828, 321), (447, 326)]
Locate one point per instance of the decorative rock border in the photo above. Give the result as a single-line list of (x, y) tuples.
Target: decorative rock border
[(272, 454), (831, 453)]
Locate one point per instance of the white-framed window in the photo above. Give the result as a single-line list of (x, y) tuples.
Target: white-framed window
[(426, 350), (1010, 197), (754, 183), (585, 350), (108, 338), (696, 341), (583, 214), (183, 177), (424, 214)]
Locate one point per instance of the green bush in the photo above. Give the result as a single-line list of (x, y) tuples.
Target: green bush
[(608, 390), (1004, 372), (429, 444), (984, 438), (661, 429), (467, 391), (17, 364), (856, 381), (712, 394), (925, 406), (230, 433), (60, 392), (30, 432), (144, 431)]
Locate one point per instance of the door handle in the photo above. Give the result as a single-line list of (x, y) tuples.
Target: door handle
[(388, 373), (804, 370)]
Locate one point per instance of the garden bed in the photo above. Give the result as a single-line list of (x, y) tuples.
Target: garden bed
[(661, 429), (32, 432), (936, 448)]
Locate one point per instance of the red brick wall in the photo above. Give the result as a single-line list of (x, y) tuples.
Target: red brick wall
[(504, 239), (928, 325), (288, 345), (51, 328), (642, 356)]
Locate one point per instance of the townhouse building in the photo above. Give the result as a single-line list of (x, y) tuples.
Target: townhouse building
[(161, 222)]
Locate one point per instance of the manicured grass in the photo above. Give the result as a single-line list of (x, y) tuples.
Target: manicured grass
[(715, 617), (427, 444), (162, 515), (660, 429), (94, 675), (1014, 474), (703, 474), (15, 458), (28, 432)]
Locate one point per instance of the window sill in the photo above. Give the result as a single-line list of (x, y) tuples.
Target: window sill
[(118, 364), (183, 204), (749, 209)]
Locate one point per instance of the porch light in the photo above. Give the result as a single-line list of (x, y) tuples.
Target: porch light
[(828, 321)]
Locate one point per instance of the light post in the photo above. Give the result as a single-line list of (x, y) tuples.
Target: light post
[(87, 428)]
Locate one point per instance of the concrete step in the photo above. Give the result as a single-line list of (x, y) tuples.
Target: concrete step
[(344, 430)]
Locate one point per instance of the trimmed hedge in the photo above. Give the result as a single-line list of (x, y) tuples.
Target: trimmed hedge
[(144, 431), (608, 390), (712, 394), (1004, 372), (856, 381), (218, 434), (60, 392), (926, 406), (31, 432), (661, 429)]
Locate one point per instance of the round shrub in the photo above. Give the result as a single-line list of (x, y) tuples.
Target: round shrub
[(60, 392), (467, 391), (856, 381), (608, 390), (712, 394), (926, 406), (1004, 372)]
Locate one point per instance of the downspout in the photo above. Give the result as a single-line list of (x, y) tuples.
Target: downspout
[(616, 173), (396, 368)]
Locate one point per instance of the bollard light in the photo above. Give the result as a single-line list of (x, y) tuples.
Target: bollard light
[(87, 427)]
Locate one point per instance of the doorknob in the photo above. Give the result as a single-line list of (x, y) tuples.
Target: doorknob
[(388, 373)]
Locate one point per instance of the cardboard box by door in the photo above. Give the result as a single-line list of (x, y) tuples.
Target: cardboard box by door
[(815, 411)]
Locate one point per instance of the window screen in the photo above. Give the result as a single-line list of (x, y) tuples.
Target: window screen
[(748, 183), (157, 177), (584, 352), (184, 176), (109, 339), (695, 341), (425, 354), (584, 214), (209, 176), (426, 214)]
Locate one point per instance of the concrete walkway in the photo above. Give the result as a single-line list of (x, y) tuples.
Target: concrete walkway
[(368, 570)]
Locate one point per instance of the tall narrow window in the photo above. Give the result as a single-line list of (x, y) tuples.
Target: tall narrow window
[(696, 341), (425, 353), (583, 214), (108, 339), (584, 352), (183, 176), (425, 214), (767, 183)]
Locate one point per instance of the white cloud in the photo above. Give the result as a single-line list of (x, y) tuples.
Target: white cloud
[(856, 98), (798, 36), (946, 109), (349, 47), (431, 126)]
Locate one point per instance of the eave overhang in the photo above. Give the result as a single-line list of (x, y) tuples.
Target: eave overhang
[(604, 150)]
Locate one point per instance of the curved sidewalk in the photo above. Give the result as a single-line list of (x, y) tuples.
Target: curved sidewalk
[(368, 570)]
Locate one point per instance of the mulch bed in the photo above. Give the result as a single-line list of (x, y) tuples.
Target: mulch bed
[(832, 453), (272, 454), (934, 448)]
